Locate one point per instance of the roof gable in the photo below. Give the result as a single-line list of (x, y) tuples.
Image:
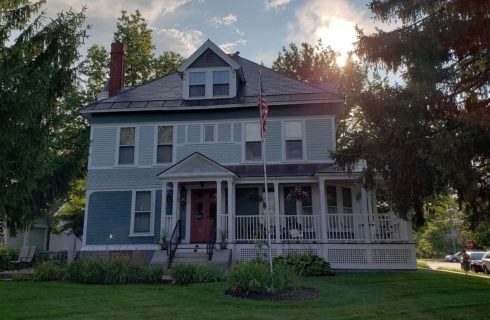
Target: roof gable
[(196, 165), (209, 45)]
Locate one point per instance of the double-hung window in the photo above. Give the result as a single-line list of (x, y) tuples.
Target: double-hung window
[(165, 144), (209, 133), (126, 145), (294, 140), (221, 83), (197, 84), (253, 144), (142, 213)]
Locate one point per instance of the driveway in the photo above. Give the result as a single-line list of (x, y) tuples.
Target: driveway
[(451, 265)]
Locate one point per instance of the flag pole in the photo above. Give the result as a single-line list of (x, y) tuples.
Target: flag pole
[(262, 134)]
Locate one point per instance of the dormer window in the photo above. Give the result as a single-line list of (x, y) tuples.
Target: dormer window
[(221, 83), (197, 84)]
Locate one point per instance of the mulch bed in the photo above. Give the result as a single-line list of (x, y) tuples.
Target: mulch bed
[(295, 294)]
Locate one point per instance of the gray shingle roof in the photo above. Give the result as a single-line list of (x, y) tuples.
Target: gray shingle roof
[(166, 93)]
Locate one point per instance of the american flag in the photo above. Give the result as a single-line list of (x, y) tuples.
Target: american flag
[(264, 109)]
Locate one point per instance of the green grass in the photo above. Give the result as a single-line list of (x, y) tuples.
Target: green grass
[(455, 269), (422, 264), (380, 295)]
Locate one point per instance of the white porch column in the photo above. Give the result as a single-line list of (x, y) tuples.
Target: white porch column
[(175, 198), (365, 215), (164, 210), (323, 211), (231, 211), (218, 209), (277, 212)]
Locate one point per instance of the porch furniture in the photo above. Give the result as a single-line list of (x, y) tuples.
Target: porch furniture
[(23, 253), (295, 234), (30, 257)]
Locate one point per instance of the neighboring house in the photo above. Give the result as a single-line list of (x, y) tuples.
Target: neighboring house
[(185, 149), (36, 234)]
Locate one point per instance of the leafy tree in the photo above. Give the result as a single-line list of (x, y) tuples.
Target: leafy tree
[(70, 215), (433, 132), (96, 69), (39, 146), (166, 63), (311, 64), (133, 31)]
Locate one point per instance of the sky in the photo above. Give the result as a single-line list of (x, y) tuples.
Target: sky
[(258, 29)]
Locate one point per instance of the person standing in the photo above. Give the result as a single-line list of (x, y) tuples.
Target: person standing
[(465, 262)]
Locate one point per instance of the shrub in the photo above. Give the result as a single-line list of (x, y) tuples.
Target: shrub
[(422, 265), (153, 274), (22, 276), (188, 273), (255, 277), (121, 272), (48, 271), (307, 264), (6, 255)]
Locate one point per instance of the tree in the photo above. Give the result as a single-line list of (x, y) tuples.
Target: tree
[(431, 134), (311, 64), (133, 31), (96, 69), (71, 214), (39, 149), (166, 63)]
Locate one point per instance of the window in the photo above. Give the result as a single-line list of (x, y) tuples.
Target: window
[(209, 133), (126, 145), (294, 142), (142, 214), (347, 200), (164, 144), (253, 144), (332, 199), (221, 83), (197, 84)]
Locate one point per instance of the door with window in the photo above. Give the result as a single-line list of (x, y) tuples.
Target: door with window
[(203, 214)]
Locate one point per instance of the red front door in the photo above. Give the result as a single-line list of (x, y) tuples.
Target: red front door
[(203, 213)]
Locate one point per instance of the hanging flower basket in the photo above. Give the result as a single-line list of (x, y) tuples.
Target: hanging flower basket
[(297, 193)]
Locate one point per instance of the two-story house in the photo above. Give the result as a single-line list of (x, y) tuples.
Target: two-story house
[(184, 152)]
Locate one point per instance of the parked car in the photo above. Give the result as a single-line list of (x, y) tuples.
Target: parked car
[(486, 263), (454, 257), (476, 264)]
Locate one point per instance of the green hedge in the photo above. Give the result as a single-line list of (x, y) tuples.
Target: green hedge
[(6, 255), (188, 273)]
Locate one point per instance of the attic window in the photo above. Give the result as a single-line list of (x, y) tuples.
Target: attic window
[(221, 83), (197, 84)]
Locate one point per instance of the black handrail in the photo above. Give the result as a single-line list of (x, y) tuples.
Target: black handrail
[(211, 241), (174, 242)]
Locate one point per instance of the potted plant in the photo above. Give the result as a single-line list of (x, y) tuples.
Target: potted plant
[(163, 240), (222, 240)]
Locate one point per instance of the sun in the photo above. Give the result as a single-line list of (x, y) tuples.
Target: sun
[(340, 35)]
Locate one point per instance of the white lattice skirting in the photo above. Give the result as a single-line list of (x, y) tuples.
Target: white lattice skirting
[(340, 256)]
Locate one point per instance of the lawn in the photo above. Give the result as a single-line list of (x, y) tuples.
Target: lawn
[(369, 295)]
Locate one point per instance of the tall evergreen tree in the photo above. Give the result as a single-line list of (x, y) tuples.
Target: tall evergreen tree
[(38, 148), (431, 134)]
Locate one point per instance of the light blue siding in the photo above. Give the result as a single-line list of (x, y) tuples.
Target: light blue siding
[(194, 133), (180, 134), (146, 145), (237, 132), (109, 220), (104, 146), (273, 141), (224, 132), (319, 139), (221, 153), (124, 178)]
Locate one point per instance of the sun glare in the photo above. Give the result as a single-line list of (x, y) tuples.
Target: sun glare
[(340, 35)]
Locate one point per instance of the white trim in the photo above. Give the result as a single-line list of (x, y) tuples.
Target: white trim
[(208, 83), (91, 143), (152, 214), (124, 247), (303, 140), (85, 217), (155, 144), (215, 133), (208, 45)]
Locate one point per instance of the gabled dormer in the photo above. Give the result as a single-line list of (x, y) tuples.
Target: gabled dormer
[(209, 73)]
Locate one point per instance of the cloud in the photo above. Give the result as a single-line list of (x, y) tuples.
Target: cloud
[(224, 20), (183, 42), (230, 47), (332, 21), (110, 9), (275, 4)]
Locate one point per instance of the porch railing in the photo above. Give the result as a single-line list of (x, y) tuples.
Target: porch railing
[(339, 227), (174, 242)]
